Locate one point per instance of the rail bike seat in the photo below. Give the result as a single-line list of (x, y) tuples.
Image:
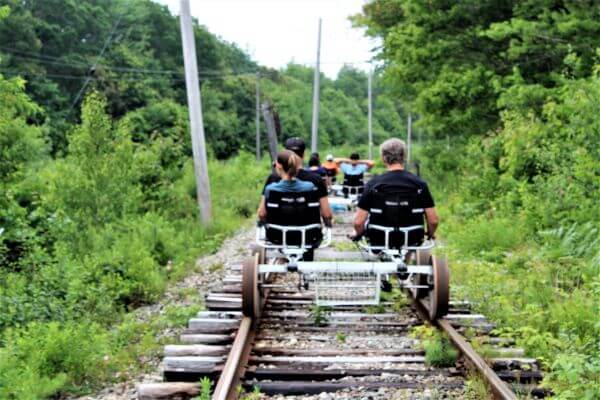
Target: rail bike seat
[(293, 223), (396, 222), (353, 184)]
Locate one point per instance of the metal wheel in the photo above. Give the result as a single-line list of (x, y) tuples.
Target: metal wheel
[(261, 251), (250, 292), (423, 257), (440, 293)]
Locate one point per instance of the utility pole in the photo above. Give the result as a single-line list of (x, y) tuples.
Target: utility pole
[(370, 95), (257, 116), (316, 87), (195, 111), (408, 141), (271, 130)]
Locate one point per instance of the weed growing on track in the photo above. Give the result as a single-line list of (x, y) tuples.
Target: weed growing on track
[(319, 314), (439, 351), (205, 389), (340, 337), (477, 388), (254, 395)]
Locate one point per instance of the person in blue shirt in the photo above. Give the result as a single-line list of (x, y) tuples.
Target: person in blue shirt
[(287, 166), (354, 165), (354, 169)]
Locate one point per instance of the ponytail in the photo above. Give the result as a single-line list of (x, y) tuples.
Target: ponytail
[(290, 162)]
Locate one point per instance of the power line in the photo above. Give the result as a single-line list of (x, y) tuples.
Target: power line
[(106, 43)]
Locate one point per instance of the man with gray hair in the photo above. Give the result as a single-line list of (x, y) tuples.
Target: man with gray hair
[(413, 192)]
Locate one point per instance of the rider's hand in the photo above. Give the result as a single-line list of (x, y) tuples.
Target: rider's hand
[(355, 237)]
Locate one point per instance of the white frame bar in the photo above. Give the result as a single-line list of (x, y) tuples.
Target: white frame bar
[(307, 267)]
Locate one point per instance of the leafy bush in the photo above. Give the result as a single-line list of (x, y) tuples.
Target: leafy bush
[(45, 358)]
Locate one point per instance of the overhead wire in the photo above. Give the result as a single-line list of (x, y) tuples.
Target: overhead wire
[(99, 57)]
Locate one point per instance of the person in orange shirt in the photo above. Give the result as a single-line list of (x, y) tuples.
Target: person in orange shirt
[(332, 168)]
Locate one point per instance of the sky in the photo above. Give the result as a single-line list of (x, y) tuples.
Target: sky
[(275, 32)]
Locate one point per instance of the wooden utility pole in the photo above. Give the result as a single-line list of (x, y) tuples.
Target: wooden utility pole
[(257, 116), (271, 130), (195, 111), (370, 114), (316, 88), (408, 138)]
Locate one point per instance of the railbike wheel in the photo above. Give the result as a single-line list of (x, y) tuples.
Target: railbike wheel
[(440, 293), (250, 291), (261, 251), (423, 257)]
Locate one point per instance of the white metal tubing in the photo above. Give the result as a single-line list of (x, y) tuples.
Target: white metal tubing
[(306, 267)]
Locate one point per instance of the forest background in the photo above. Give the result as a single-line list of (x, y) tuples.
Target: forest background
[(97, 206)]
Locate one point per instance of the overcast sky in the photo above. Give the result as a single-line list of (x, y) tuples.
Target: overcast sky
[(275, 32)]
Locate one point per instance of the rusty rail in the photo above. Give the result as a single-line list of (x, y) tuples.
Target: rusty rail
[(236, 361), (499, 388)]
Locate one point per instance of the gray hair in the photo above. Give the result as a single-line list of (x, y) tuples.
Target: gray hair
[(393, 151)]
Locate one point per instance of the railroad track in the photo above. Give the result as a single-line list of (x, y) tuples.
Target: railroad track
[(353, 353)]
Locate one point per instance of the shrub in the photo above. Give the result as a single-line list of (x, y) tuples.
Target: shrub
[(45, 358)]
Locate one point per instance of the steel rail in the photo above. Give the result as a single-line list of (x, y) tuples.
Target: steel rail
[(234, 360), (499, 388), (237, 359)]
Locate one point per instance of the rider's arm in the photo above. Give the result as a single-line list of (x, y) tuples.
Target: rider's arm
[(360, 219), (432, 221), (326, 210), (341, 160), (369, 163), (262, 210)]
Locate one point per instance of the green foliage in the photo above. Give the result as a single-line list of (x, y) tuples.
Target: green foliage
[(85, 239), (340, 337), (45, 358), (477, 388), (205, 389), (439, 352), (254, 395), (319, 314), (458, 63)]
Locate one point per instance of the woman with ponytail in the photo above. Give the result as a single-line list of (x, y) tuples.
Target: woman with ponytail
[(287, 165)]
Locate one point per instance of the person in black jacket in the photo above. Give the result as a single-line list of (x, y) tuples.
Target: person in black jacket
[(392, 154)]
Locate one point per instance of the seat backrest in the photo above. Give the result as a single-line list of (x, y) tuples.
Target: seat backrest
[(330, 172), (293, 209), (395, 207), (354, 180)]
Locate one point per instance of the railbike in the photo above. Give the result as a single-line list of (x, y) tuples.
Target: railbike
[(293, 231)]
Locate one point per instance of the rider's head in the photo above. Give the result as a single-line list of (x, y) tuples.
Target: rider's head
[(313, 161), (354, 157), (287, 164), (296, 145), (393, 151)]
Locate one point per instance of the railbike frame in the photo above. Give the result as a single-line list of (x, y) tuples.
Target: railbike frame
[(389, 261)]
